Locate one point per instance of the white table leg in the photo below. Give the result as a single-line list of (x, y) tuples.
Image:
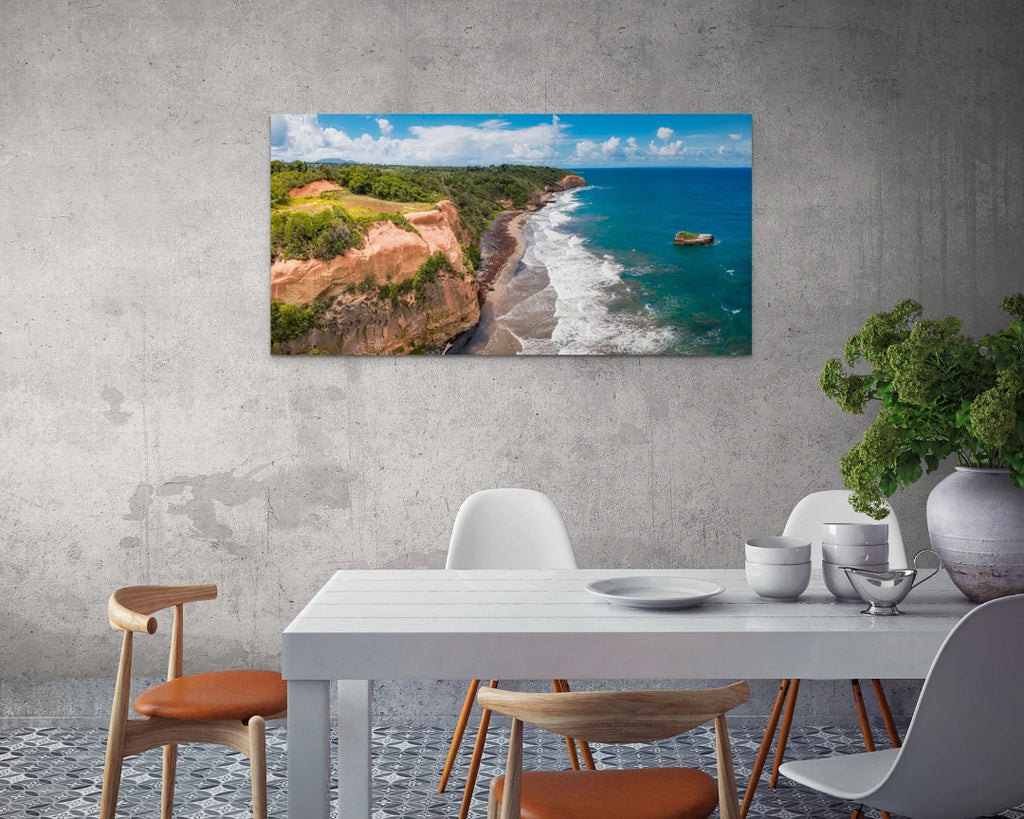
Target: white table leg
[(309, 749), (355, 789)]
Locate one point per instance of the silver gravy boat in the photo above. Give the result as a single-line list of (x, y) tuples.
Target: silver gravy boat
[(883, 590)]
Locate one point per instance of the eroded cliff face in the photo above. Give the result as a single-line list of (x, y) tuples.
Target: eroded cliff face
[(389, 253), (364, 322)]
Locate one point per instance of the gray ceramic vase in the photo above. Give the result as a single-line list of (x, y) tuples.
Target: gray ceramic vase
[(976, 525)]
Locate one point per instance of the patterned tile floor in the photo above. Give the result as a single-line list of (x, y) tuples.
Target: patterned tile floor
[(53, 773)]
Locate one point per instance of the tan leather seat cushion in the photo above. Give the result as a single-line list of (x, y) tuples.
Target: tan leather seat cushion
[(233, 695), (650, 793)]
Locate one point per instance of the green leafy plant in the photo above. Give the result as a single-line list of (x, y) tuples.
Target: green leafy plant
[(941, 393), (289, 321)]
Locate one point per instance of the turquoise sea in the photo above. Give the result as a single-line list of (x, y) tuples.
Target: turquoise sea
[(600, 274)]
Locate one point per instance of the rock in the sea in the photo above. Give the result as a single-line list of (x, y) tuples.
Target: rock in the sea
[(685, 237)]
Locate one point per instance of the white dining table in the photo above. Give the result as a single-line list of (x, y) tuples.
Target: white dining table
[(530, 624)]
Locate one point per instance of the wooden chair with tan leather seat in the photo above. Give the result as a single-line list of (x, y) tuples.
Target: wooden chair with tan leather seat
[(616, 717), (221, 707)]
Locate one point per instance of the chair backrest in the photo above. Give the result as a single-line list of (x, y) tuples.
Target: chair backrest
[(832, 506), (129, 609), (509, 529), (616, 716), (962, 753)]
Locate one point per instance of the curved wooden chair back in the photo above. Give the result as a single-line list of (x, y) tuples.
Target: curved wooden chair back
[(128, 608), (618, 717)]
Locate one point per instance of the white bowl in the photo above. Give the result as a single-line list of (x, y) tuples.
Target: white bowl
[(778, 549), (839, 584), (845, 555), (779, 581), (855, 534)]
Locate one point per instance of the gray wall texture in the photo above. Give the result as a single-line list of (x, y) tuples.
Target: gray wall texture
[(149, 437)]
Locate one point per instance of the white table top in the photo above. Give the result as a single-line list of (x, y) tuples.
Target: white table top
[(530, 624)]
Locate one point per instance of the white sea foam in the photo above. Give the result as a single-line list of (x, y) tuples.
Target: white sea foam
[(584, 285)]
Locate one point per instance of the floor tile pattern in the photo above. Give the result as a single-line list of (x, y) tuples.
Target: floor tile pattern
[(55, 773)]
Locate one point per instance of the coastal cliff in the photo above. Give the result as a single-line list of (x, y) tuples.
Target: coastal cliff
[(388, 253), (376, 303), (364, 262), (364, 324)]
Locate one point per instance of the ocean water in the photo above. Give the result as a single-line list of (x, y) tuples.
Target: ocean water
[(600, 274)]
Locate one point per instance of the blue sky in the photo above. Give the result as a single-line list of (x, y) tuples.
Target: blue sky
[(563, 140)]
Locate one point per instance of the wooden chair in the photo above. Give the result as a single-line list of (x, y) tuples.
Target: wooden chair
[(962, 754), (505, 529), (222, 707), (615, 717), (828, 506)]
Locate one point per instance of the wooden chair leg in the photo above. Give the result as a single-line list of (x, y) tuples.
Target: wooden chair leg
[(728, 802), (258, 766), (460, 730), (883, 705), (862, 715), (865, 724), (111, 783), (492, 801), (570, 743), (474, 763), (167, 781), (114, 759), (787, 723), (588, 757), (766, 744)]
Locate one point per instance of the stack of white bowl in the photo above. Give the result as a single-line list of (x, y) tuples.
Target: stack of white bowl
[(778, 568), (862, 545)]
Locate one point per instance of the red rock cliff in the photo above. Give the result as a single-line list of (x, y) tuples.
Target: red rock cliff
[(363, 322), (389, 253)]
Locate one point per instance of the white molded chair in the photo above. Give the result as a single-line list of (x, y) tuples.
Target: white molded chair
[(505, 529), (828, 506), (833, 506), (962, 755), (509, 529)]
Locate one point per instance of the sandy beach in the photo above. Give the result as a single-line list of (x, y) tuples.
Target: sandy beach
[(506, 247)]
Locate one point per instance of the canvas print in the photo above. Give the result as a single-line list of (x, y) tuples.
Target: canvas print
[(569, 234)]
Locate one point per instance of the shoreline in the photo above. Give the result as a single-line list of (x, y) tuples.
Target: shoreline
[(496, 270), (503, 261), (506, 235)]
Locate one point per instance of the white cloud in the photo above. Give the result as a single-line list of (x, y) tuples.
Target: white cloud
[(735, 136), (302, 136), (611, 148), (669, 149), (632, 149), (665, 134)]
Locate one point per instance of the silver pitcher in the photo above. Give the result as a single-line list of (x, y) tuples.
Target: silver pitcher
[(883, 590)]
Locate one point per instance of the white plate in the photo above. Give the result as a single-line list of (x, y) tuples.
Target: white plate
[(652, 592)]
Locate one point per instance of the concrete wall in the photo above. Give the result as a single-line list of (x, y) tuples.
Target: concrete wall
[(148, 436)]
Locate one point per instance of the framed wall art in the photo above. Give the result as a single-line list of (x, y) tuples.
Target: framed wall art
[(571, 234)]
